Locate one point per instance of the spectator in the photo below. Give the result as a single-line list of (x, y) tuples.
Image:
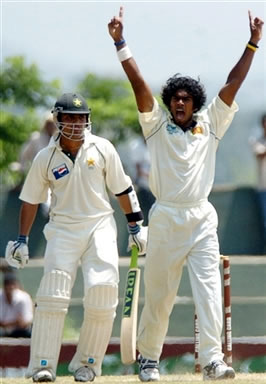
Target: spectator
[(16, 308), (37, 141)]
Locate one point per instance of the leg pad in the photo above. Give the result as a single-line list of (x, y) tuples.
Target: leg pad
[(52, 299), (99, 312)]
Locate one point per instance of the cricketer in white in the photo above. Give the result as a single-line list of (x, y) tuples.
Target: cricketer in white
[(182, 223), (78, 167)]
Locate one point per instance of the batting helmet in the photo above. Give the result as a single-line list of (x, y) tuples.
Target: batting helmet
[(71, 103)]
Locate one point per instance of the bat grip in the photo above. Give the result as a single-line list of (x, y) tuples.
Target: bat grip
[(134, 257)]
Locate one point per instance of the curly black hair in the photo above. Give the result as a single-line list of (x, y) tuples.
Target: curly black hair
[(191, 86)]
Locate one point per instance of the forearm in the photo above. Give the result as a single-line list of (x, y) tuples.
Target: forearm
[(133, 73), (142, 91), (129, 204), (27, 216), (238, 74), (125, 206), (19, 323), (241, 69)]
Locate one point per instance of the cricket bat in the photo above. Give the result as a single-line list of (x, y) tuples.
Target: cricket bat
[(128, 334)]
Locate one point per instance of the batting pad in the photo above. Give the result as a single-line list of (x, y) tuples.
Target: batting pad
[(99, 312), (52, 299)]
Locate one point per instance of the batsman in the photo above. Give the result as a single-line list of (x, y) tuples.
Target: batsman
[(79, 168), (182, 140)]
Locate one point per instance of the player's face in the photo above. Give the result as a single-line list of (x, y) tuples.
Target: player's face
[(73, 125), (181, 108)]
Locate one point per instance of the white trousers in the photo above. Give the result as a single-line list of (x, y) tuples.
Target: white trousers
[(178, 235), (92, 244)]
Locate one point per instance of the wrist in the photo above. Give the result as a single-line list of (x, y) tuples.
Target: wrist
[(23, 239), (123, 53), (254, 41), (252, 46), (133, 228), (135, 218), (119, 42)]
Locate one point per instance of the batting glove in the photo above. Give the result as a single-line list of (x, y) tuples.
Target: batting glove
[(17, 252), (137, 236)]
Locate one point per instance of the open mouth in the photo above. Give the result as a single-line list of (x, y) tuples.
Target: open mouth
[(180, 114)]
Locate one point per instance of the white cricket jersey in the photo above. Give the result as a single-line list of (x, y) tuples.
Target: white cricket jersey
[(79, 189), (183, 163)]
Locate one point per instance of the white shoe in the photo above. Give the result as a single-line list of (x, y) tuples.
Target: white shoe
[(148, 369), (218, 370), (84, 374), (43, 376)]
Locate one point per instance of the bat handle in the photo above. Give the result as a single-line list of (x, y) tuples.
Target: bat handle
[(134, 257)]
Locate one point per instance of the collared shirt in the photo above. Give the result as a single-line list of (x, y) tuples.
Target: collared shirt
[(79, 189), (183, 163)]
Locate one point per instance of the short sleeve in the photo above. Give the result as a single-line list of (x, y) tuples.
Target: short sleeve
[(220, 115), (116, 179), (36, 185), (149, 121)]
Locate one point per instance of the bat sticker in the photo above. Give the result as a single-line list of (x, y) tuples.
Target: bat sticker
[(129, 293)]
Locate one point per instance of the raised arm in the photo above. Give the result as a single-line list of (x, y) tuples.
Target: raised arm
[(240, 70), (141, 90)]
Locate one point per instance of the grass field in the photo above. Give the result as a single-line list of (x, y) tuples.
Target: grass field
[(241, 378)]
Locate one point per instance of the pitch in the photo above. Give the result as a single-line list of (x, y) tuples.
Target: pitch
[(241, 378)]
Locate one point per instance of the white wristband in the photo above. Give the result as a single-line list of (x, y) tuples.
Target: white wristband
[(124, 54)]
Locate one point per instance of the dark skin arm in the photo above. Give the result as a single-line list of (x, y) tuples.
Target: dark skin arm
[(27, 216), (142, 91), (240, 70), (125, 205)]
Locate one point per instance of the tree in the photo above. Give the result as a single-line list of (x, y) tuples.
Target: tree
[(23, 91), (114, 113)]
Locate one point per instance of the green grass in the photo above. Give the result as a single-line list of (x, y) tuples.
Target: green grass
[(241, 378)]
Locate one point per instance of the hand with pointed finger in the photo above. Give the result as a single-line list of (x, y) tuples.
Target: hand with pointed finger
[(115, 26), (256, 25), (17, 252)]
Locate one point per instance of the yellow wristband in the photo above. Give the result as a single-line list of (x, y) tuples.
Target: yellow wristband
[(251, 47)]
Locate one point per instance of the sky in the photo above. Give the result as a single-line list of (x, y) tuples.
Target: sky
[(67, 39)]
